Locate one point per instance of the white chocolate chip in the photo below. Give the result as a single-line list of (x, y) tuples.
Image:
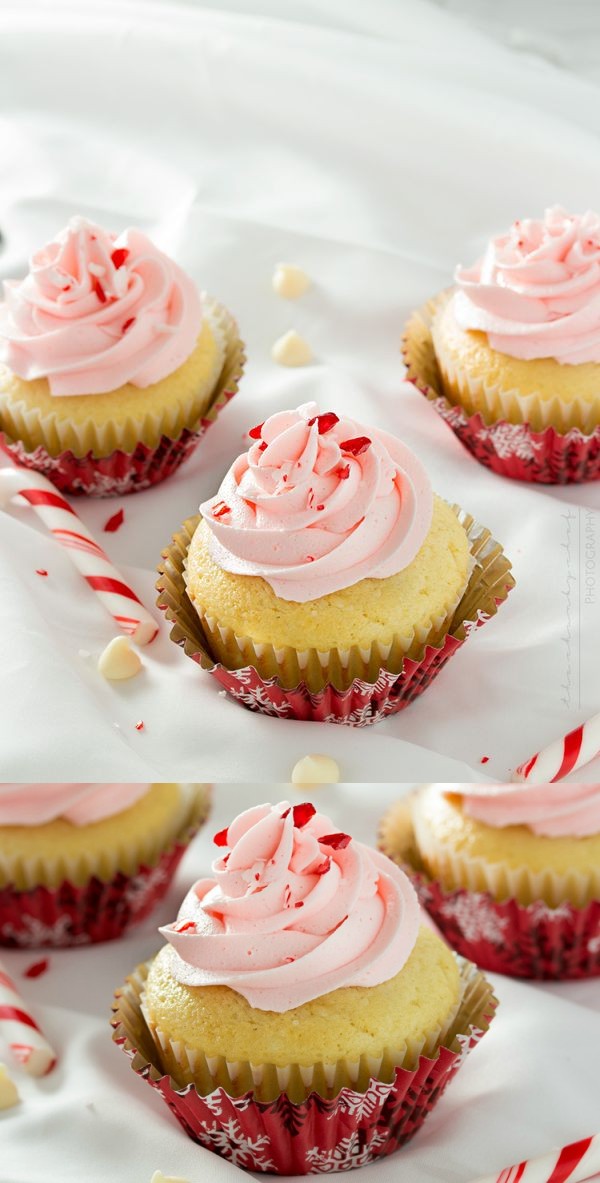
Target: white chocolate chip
[(158, 1177), (291, 350), (8, 1090), (315, 770), (290, 282), (119, 660)]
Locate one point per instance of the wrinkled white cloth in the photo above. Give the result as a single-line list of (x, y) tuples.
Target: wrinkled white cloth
[(375, 152), (93, 1119)]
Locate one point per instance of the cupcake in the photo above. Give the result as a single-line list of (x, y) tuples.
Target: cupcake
[(324, 565), (511, 355), (81, 862), (300, 1018), (111, 361), (510, 873)]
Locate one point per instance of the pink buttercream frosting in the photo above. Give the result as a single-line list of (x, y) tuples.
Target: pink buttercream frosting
[(35, 805), (319, 503), (294, 911), (536, 291), (551, 811), (97, 311)]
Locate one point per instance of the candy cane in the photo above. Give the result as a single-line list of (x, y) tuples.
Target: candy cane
[(25, 1040), (563, 756), (573, 1164), (67, 528)]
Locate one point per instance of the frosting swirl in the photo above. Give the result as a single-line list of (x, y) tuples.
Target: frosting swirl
[(319, 503), (536, 291), (551, 811), (81, 804), (294, 911), (97, 311)]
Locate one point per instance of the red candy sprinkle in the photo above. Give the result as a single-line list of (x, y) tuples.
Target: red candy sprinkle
[(303, 814), (220, 839), (299, 904), (114, 522), (325, 422), (356, 446), (128, 324), (99, 290), (220, 509), (320, 507), (36, 969), (119, 256), (322, 867), (183, 926), (139, 725), (336, 841), (484, 760), (41, 571), (254, 432), (344, 472), (262, 446)]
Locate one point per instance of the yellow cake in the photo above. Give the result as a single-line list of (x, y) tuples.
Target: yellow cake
[(508, 861), (58, 850), (117, 418), (539, 391), (345, 1024)]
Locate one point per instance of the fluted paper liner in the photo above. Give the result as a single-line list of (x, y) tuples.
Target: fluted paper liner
[(115, 459), (91, 906), (552, 936), (353, 688), (349, 1120), (514, 435)]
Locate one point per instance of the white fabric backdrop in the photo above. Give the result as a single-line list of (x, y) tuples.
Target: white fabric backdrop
[(532, 1083), (375, 152)]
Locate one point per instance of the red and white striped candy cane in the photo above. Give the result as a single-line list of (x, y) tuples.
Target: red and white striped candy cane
[(25, 1040), (563, 756), (573, 1164), (67, 528)]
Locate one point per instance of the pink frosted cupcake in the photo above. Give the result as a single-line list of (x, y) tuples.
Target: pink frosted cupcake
[(510, 873), (112, 363), (325, 579), (300, 1019), (511, 355), (81, 862)]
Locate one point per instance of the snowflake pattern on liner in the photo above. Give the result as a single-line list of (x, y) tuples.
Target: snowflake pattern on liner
[(363, 1105), (230, 1142), (351, 1152), (257, 698), (475, 919), (34, 933), (141, 888)]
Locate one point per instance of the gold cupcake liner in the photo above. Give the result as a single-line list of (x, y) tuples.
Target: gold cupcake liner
[(185, 1066), (25, 874), (494, 403), (57, 436), (488, 585)]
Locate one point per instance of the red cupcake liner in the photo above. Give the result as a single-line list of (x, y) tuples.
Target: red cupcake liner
[(522, 941), (130, 472), (97, 911), (363, 703), (318, 1134), (513, 450)]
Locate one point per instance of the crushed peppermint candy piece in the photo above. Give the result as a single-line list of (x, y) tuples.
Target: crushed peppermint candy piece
[(114, 522), (220, 839), (336, 841), (255, 432), (98, 289), (220, 509), (128, 323), (183, 926), (37, 968), (303, 813), (325, 422), (118, 256), (139, 725), (41, 571), (356, 446)]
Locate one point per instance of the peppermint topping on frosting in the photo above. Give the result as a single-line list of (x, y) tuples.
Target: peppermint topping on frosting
[(551, 811), (319, 503), (295, 909), (97, 311), (34, 805), (536, 291)]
